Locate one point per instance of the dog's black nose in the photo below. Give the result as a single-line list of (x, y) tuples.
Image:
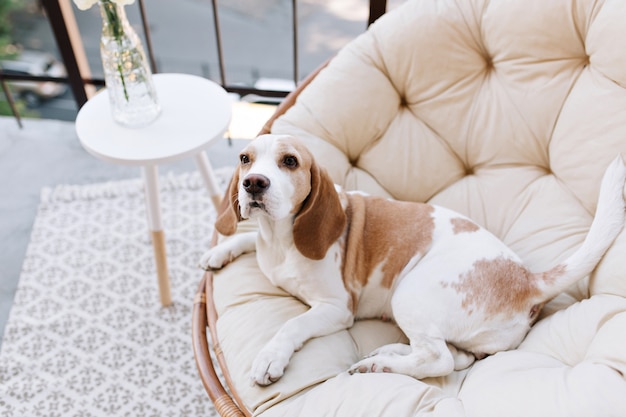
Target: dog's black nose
[(256, 184)]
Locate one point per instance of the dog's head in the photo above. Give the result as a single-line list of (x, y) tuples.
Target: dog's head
[(278, 178)]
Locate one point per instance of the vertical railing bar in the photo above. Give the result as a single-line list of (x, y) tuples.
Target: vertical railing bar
[(146, 32), (218, 39), (78, 84), (9, 97), (377, 9), (64, 43), (296, 69)]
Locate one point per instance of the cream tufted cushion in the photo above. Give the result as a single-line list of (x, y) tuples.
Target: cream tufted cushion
[(508, 112)]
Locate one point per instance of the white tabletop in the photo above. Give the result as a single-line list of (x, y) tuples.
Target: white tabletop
[(194, 112)]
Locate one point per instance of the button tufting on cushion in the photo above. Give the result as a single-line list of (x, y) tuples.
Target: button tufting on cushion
[(508, 112)]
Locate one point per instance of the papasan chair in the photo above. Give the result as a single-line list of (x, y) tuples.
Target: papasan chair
[(505, 111)]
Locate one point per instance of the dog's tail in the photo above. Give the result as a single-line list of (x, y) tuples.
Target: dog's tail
[(606, 225)]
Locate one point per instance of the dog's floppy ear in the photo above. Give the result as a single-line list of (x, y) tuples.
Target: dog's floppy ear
[(229, 215), (321, 220)]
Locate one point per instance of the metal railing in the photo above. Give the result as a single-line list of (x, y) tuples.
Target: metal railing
[(57, 12)]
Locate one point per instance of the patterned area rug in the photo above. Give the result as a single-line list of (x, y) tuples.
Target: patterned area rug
[(87, 335)]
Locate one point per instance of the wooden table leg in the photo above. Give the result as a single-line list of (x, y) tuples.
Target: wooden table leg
[(204, 166), (151, 176)]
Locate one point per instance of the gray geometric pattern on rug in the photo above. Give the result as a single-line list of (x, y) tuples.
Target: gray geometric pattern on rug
[(86, 335)]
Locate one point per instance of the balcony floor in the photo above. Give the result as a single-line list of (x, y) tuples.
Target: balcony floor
[(46, 153)]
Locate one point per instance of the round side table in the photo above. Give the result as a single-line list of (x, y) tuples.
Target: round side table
[(195, 112)]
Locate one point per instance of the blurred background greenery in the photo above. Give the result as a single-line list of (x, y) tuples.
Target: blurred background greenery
[(9, 49)]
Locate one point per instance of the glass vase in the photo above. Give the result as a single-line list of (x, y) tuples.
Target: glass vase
[(127, 74)]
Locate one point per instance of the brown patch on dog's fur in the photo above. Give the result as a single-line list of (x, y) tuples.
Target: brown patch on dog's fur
[(321, 219), (550, 276), (383, 233), (497, 286), (301, 175), (460, 225), (229, 215)]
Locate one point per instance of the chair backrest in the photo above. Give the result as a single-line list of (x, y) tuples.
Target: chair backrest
[(508, 112)]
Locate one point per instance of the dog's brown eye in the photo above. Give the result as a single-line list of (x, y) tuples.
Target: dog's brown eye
[(244, 159), (290, 161)]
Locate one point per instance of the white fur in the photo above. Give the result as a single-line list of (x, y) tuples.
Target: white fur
[(422, 301)]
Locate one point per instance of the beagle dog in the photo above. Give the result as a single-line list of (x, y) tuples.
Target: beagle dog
[(455, 290)]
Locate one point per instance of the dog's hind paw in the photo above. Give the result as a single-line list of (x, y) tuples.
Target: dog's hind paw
[(367, 366), (391, 349)]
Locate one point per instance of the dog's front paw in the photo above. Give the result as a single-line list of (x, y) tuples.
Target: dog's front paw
[(216, 258), (377, 360), (268, 367)]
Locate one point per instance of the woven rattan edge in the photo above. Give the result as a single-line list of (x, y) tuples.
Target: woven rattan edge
[(211, 314), (224, 404)]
